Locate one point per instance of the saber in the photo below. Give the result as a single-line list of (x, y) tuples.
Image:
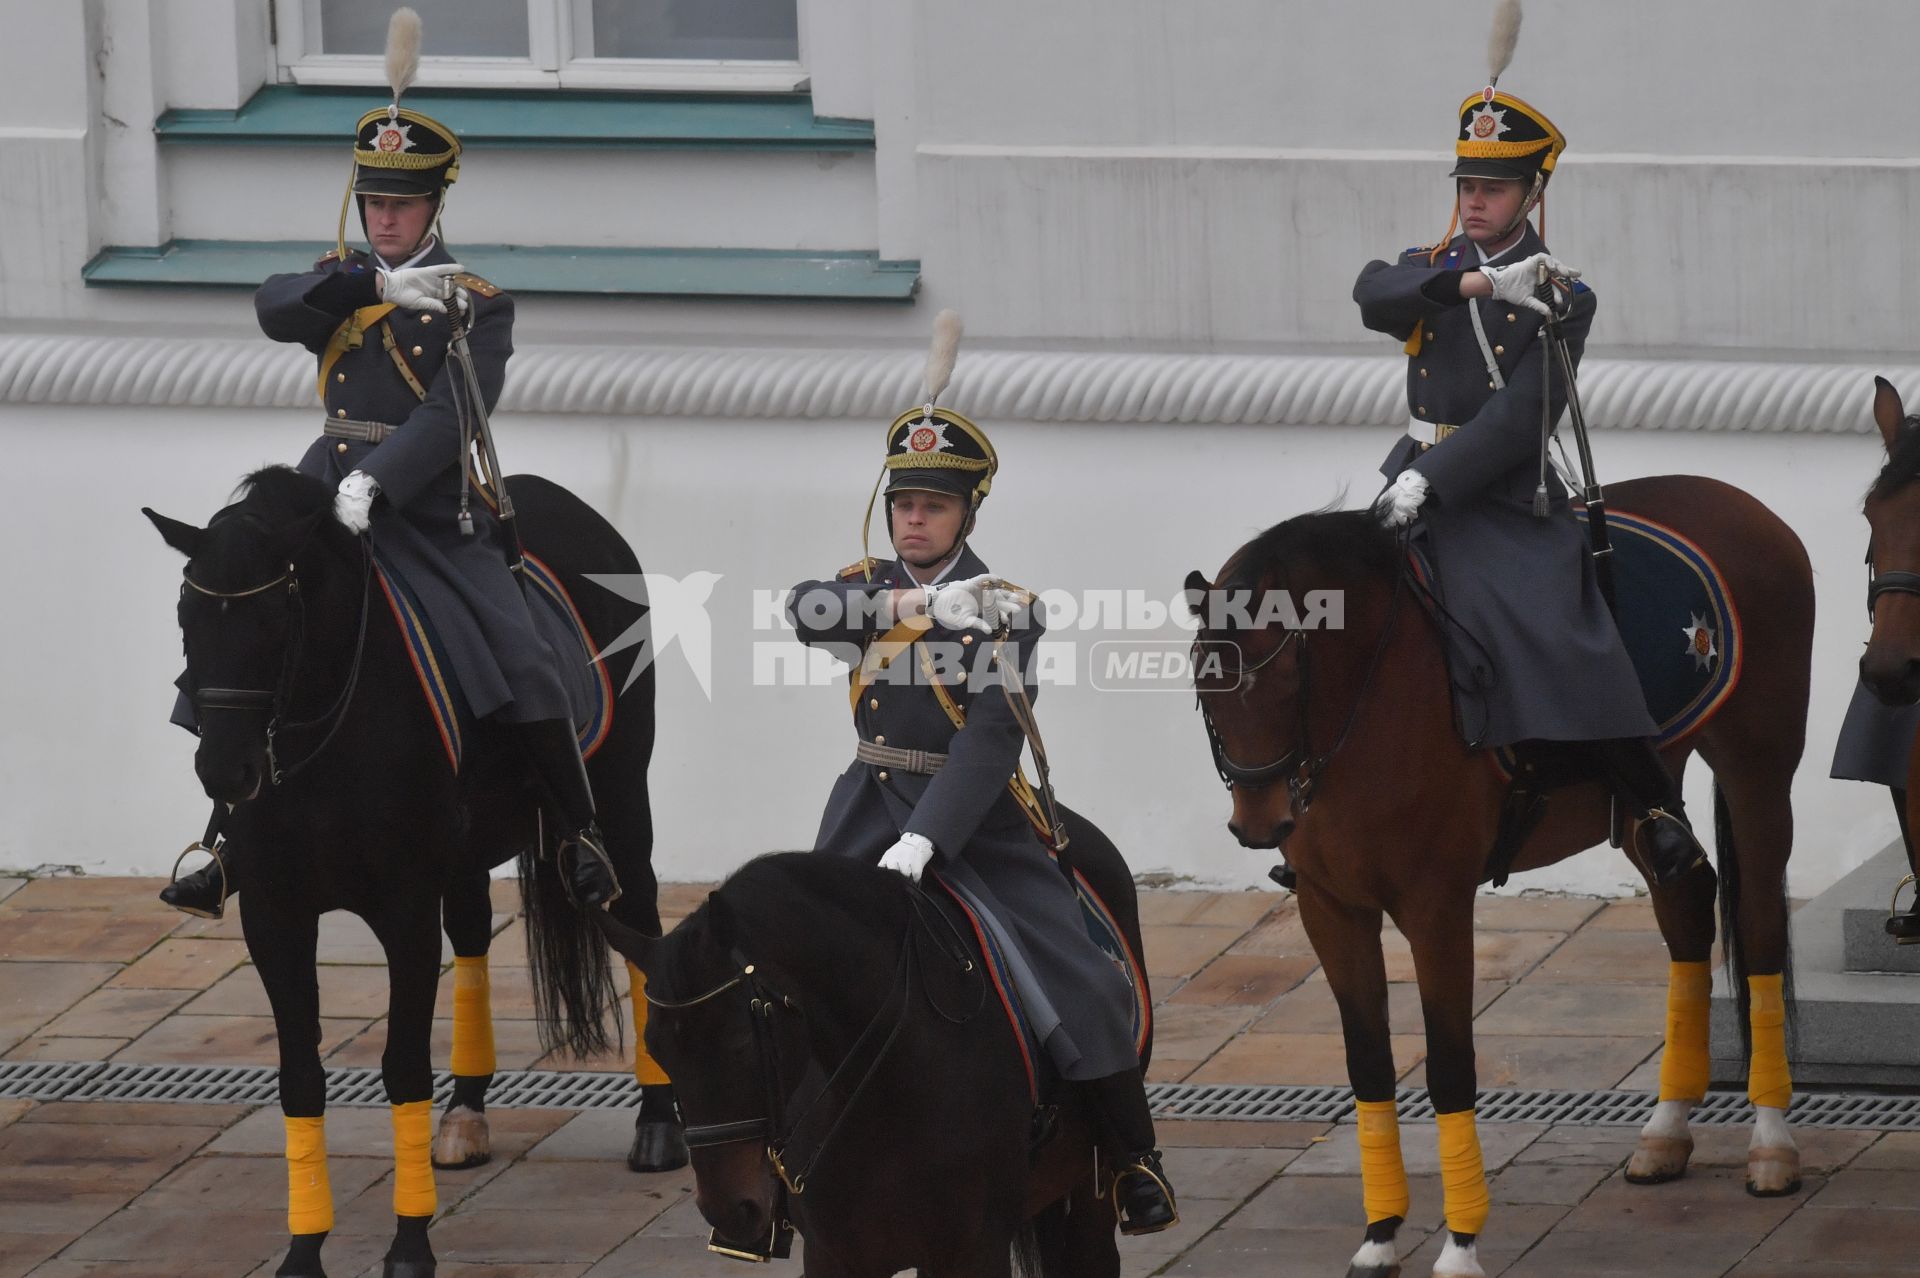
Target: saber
[(1600, 546), (471, 406)]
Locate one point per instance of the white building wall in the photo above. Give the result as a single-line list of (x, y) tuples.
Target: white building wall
[(1107, 188)]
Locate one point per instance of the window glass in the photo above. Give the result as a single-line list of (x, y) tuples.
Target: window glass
[(751, 30), (456, 28)]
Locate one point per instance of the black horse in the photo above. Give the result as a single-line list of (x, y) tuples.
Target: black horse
[(315, 729), (846, 1069)]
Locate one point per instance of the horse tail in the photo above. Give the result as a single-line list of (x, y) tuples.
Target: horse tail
[(1028, 1259), (1727, 854), (568, 962)]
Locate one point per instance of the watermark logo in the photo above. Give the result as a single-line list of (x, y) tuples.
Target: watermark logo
[(676, 612)]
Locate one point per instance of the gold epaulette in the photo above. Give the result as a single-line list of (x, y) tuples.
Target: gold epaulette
[(474, 284), (858, 568)]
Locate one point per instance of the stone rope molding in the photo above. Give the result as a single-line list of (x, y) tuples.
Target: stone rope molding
[(993, 385)]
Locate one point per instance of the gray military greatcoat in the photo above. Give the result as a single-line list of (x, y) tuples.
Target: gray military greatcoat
[(473, 602), (1079, 1002), (1544, 659)]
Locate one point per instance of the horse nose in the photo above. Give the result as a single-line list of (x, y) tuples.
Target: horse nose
[(1273, 840), (227, 781), (1894, 680)]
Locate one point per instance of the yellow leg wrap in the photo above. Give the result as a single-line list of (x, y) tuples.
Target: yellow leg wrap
[(1461, 1174), (412, 1172), (1683, 1063), (1768, 1080), (646, 1070), (1383, 1177), (472, 1017), (309, 1195)]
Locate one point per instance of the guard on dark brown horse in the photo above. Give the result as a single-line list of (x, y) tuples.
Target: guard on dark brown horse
[(1345, 745), (942, 722), (1877, 738)]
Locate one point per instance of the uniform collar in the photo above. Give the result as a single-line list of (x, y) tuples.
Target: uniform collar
[(965, 564), (1526, 246), (433, 254)]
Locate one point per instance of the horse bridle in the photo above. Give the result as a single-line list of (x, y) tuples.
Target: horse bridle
[(1896, 581), (276, 700), (1304, 766), (773, 1128)]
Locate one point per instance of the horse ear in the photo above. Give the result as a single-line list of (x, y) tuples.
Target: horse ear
[(184, 538), (1196, 592), (1888, 413)]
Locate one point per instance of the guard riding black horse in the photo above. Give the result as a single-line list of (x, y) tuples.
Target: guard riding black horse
[(846, 1071), (314, 727)]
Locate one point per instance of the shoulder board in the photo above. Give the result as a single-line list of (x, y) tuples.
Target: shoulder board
[(331, 256), (859, 568), (474, 284), (1580, 286)]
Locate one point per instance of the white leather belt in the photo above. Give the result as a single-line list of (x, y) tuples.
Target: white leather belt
[(1428, 433)]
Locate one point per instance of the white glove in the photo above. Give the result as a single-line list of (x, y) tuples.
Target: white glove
[(1397, 506), (1515, 283), (354, 501), (909, 856), (420, 288), (958, 605)]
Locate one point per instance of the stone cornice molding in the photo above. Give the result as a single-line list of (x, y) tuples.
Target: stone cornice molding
[(993, 385)]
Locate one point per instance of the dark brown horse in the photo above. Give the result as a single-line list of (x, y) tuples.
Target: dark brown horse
[(1890, 667), (1341, 745), (844, 1066)]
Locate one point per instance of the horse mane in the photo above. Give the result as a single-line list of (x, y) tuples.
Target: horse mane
[(1345, 543), (279, 496), (1903, 461), (840, 903)]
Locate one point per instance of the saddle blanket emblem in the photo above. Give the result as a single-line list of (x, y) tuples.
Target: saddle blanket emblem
[(589, 686), (1678, 620), (1103, 929)]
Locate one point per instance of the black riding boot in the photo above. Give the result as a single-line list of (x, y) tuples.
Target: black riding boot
[(585, 867), (1142, 1194), (1636, 774), (204, 892), (1904, 928)]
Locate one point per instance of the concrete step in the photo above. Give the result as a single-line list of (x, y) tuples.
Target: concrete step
[(1857, 1020)]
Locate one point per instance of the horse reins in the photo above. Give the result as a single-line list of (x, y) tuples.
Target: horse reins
[(774, 1127), (278, 699), (1306, 766)]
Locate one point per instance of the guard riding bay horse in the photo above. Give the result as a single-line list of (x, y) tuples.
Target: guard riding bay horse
[(1341, 744), (845, 1067), (1890, 667), (313, 724)]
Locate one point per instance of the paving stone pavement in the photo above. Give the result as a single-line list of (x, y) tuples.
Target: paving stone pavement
[(1569, 996)]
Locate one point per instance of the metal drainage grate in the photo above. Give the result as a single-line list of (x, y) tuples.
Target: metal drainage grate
[(566, 1089)]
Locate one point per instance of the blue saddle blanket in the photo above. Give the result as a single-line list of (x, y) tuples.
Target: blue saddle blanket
[(589, 687)]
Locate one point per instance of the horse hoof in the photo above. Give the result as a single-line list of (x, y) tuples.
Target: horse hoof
[(658, 1146), (407, 1269), (463, 1140), (1773, 1173), (1458, 1260), (1374, 1271), (1659, 1159)]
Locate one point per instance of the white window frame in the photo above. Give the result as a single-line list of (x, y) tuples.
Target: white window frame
[(549, 64)]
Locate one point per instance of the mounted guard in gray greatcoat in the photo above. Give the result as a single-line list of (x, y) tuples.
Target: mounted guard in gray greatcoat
[(404, 442), (935, 781), (1535, 654)]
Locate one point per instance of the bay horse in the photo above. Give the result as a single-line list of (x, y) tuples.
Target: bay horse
[(846, 1071), (1890, 667), (1341, 745), (315, 728)]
